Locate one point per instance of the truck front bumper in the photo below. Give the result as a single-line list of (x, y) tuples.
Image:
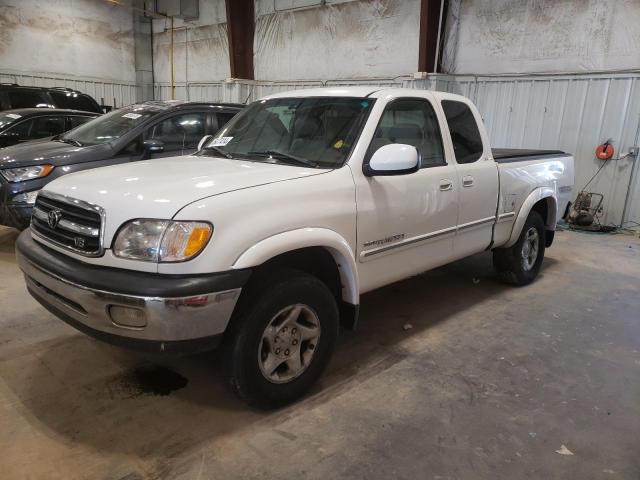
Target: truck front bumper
[(144, 311)]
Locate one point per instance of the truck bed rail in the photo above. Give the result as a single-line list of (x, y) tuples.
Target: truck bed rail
[(506, 155)]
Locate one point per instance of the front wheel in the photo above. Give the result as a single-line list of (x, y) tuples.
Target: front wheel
[(283, 338), (520, 263)]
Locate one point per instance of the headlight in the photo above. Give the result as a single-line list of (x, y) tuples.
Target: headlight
[(27, 197), (26, 173), (161, 240)]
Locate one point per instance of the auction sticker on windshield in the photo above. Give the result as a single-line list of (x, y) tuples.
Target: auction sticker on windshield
[(133, 116), (220, 141)]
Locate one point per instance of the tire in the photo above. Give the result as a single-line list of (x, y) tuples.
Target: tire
[(515, 264), (264, 327)]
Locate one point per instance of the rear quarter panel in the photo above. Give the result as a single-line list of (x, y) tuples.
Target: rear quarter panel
[(552, 176)]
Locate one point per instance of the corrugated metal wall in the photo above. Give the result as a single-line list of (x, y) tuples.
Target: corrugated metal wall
[(574, 113), (116, 94)]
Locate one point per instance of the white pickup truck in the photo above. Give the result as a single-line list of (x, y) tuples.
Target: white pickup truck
[(265, 239)]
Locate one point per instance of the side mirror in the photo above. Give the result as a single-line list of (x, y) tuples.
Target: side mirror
[(393, 159), (203, 141), (153, 146)]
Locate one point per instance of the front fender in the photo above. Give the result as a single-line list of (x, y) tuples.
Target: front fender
[(534, 197), (285, 242)]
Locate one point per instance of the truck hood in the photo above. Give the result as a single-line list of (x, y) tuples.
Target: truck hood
[(160, 188), (47, 151)]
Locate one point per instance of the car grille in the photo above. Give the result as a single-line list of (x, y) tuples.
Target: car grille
[(67, 222)]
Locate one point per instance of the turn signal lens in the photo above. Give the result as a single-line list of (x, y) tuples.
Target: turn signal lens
[(46, 170), (184, 240), (198, 239)]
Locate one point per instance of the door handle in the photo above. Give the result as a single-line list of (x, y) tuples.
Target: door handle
[(446, 185), (467, 181)]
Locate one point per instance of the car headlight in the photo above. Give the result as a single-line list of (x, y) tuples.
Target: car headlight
[(26, 173), (27, 197), (161, 240)]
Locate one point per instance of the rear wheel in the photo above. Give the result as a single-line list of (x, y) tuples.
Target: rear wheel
[(520, 263), (283, 338)]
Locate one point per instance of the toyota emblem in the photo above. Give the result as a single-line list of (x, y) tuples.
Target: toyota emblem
[(53, 217)]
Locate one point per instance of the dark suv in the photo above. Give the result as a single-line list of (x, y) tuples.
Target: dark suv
[(14, 96), (25, 124), (137, 132)]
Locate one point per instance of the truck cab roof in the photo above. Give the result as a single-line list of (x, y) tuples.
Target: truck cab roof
[(370, 91)]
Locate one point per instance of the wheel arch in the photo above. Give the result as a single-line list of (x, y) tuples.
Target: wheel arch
[(310, 249), (542, 200)]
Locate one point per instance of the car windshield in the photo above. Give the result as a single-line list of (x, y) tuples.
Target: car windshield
[(7, 118), (108, 127), (313, 132)]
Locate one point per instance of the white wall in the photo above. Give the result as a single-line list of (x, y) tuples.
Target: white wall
[(201, 49), (527, 36), (340, 40), (72, 38)]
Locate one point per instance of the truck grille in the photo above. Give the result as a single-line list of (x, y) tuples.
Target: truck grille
[(69, 223)]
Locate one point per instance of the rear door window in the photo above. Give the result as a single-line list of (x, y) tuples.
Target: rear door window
[(27, 99), (467, 142), (411, 122), (182, 131)]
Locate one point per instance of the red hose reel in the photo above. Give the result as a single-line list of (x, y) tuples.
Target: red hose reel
[(604, 151)]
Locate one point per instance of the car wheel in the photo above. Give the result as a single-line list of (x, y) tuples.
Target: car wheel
[(520, 263), (283, 338)]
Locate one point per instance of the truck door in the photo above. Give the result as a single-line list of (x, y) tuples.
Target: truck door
[(406, 223), (477, 177)]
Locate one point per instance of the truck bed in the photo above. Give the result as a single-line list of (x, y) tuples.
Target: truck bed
[(522, 172), (506, 155)]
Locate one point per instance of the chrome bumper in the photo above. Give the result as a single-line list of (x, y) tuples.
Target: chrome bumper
[(162, 321)]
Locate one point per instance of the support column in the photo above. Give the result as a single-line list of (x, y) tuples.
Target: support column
[(240, 28), (432, 14)]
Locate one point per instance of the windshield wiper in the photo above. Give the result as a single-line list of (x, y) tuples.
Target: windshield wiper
[(285, 156), (218, 150), (70, 141)]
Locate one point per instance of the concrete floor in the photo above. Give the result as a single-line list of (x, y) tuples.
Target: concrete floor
[(490, 382)]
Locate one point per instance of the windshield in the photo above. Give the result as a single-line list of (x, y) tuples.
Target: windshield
[(108, 127), (314, 132), (8, 118)]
